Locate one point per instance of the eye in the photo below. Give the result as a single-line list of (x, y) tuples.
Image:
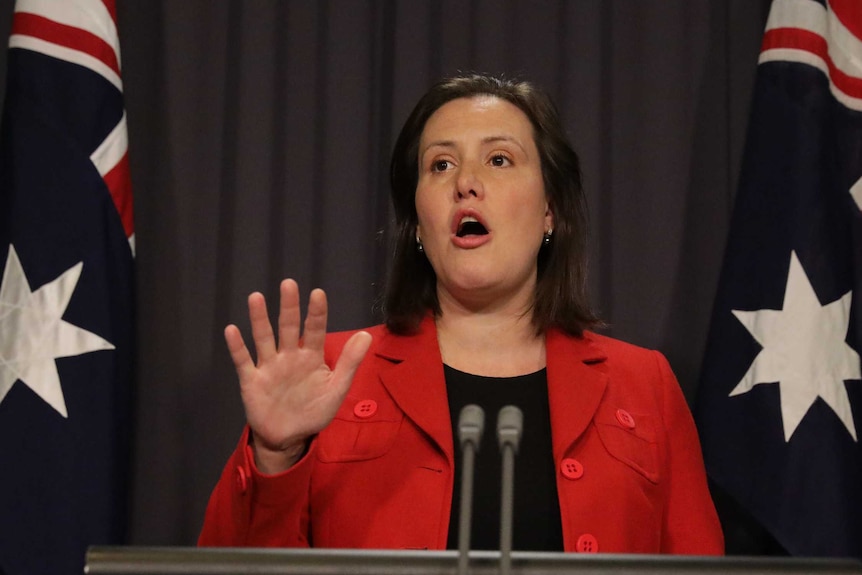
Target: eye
[(499, 160), (440, 165)]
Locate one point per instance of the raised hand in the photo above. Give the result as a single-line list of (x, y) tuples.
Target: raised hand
[(290, 394)]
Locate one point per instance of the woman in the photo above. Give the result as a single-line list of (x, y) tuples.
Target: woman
[(349, 440)]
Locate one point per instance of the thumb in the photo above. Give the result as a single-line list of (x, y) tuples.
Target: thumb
[(351, 356)]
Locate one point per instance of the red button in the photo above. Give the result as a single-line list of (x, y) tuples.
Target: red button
[(625, 418), (587, 543), (365, 408), (571, 468), (241, 479)]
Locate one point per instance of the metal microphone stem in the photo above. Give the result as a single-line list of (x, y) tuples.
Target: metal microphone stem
[(510, 425), (471, 424), (507, 509), (465, 517)]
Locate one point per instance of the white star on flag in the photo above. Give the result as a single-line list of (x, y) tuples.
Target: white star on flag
[(856, 193), (804, 351), (33, 333)]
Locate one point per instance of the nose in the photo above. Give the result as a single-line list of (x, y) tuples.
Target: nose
[(469, 183)]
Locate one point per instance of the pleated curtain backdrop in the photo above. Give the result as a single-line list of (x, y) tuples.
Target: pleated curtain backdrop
[(260, 137)]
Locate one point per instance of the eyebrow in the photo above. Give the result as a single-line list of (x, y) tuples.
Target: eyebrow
[(485, 140)]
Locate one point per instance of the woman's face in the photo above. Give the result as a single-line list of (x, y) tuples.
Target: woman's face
[(481, 202)]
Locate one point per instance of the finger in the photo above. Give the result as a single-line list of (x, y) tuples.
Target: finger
[(238, 351), (261, 329), (288, 315), (351, 356), (315, 322)]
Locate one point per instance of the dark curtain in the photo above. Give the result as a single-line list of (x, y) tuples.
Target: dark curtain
[(260, 133)]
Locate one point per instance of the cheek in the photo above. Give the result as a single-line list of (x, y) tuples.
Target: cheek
[(420, 204), (428, 211), (532, 215)]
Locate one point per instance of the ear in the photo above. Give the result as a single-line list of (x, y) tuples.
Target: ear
[(418, 234), (549, 218)]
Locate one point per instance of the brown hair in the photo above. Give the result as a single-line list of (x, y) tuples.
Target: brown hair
[(560, 298)]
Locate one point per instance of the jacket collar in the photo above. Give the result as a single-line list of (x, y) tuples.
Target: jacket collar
[(576, 384), (415, 380)]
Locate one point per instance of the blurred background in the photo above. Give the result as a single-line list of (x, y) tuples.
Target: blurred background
[(260, 134)]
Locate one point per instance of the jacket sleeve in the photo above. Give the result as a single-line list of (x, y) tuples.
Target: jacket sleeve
[(690, 525), (250, 509)]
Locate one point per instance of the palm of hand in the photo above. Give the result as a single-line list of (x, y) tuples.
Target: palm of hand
[(291, 393), (290, 397)]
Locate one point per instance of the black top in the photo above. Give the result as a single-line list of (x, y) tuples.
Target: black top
[(537, 524)]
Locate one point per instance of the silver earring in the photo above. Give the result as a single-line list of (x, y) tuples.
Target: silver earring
[(546, 239), (419, 246)]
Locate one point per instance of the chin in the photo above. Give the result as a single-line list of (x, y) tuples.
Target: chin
[(479, 288), (474, 280)]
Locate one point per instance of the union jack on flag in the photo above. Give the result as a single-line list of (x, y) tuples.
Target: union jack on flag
[(66, 290), (780, 398)]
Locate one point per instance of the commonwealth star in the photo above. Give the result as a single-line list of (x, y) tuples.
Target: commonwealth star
[(33, 333), (804, 351)]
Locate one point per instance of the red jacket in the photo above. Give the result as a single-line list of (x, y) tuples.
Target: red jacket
[(630, 475)]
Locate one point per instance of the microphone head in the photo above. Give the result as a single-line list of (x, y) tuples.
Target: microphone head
[(471, 425), (510, 425)]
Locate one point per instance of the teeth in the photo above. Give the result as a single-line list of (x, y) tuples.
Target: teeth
[(470, 226)]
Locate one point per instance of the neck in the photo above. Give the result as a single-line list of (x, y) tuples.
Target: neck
[(498, 343)]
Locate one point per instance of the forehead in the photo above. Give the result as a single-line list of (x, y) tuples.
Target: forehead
[(483, 113)]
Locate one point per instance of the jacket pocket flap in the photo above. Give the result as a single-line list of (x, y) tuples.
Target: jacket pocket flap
[(359, 434), (635, 445)]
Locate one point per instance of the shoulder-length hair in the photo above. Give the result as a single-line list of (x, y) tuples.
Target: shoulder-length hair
[(560, 298)]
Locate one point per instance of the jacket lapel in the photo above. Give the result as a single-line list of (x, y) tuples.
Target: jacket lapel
[(414, 378), (576, 384)]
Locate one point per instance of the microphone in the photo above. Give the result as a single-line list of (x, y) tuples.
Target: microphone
[(471, 424), (510, 425)]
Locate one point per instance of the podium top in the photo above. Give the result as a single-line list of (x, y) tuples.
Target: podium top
[(231, 561)]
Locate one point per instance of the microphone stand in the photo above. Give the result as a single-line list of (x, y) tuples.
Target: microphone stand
[(510, 423), (471, 424)]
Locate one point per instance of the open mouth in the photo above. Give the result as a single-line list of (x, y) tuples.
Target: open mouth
[(470, 226)]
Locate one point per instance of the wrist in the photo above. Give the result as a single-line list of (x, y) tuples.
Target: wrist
[(276, 460)]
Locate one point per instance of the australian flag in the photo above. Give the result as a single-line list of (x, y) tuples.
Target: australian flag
[(66, 290), (780, 398)]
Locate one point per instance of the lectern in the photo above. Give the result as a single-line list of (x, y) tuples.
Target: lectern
[(225, 561)]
